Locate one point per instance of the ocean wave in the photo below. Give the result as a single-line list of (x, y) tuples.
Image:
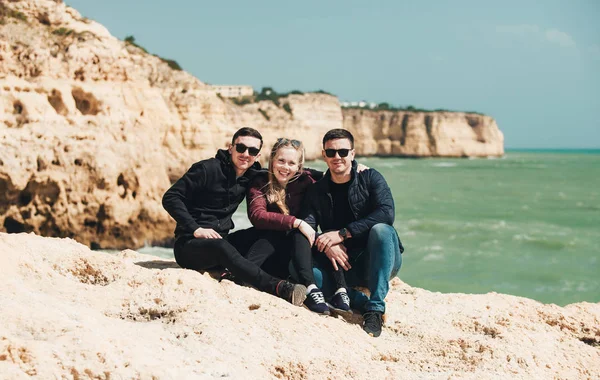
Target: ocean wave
[(390, 164), (499, 225), (434, 257)]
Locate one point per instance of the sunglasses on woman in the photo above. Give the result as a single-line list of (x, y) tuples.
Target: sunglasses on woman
[(241, 148), (342, 152), (282, 141)]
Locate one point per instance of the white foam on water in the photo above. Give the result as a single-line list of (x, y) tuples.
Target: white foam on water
[(434, 257), (444, 164), (389, 164), (501, 224), (521, 237)]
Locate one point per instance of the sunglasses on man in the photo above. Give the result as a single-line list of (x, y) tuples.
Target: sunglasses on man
[(241, 148), (342, 152)]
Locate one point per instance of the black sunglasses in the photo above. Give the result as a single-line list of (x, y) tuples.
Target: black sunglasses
[(241, 148), (282, 141), (342, 152)]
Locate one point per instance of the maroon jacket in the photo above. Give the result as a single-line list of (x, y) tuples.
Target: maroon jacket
[(268, 216)]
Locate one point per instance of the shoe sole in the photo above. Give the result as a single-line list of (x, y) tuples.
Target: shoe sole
[(298, 295), (341, 312), (325, 313)]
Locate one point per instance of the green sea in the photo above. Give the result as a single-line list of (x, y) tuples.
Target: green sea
[(526, 224)]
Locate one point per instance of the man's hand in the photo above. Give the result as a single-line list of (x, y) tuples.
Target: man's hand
[(337, 255), (328, 240), (307, 231), (206, 233)]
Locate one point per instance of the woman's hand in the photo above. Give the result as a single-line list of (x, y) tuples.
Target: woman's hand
[(307, 231)]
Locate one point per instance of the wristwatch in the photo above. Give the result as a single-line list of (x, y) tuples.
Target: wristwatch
[(343, 233)]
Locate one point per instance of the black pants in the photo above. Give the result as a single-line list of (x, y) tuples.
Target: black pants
[(203, 254), (271, 251), (302, 257)]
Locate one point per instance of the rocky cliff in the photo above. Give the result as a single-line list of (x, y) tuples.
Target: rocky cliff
[(68, 312), (94, 130), (424, 134)]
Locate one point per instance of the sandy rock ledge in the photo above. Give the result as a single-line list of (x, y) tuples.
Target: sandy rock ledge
[(68, 312)]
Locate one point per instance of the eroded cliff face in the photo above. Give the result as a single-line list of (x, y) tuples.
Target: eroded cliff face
[(94, 130), (424, 134)]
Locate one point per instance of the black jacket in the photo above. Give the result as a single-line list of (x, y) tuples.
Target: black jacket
[(207, 195), (369, 198)]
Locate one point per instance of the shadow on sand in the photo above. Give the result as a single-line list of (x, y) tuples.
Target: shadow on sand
[(350, 317)]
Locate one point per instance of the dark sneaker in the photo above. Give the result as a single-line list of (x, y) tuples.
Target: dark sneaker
[(315, 301), (293, 293), (373, 322), (340, 301)]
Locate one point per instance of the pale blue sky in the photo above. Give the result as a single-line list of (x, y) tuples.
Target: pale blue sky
[(532, 65)]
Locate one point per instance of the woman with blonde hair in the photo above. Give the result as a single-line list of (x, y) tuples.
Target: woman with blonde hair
[(274, 203)]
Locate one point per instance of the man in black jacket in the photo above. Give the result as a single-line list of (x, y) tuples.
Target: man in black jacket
[(355, 212), (202, 203)]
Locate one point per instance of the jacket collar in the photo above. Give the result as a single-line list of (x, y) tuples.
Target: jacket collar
[(224, 157)]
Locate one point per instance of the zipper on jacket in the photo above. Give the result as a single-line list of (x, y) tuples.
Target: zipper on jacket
[(331, 202), (355, 183)]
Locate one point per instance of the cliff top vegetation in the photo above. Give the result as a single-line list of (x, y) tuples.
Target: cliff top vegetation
[(363, 105), (130, 40), (269, 94)]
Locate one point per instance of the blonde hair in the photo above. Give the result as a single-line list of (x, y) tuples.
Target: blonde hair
[(275, 191)]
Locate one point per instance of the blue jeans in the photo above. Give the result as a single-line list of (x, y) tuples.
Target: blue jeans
[(379, 263)]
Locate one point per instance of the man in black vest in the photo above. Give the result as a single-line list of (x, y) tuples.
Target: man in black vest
[(355, 212), (202, 203)]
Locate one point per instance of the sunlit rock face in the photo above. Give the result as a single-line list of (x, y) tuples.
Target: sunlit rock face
[(424, 134)]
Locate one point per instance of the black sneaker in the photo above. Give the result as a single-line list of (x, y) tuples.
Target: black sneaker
[(293, 293), (315, 301), (373, 322), (340, 301)]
